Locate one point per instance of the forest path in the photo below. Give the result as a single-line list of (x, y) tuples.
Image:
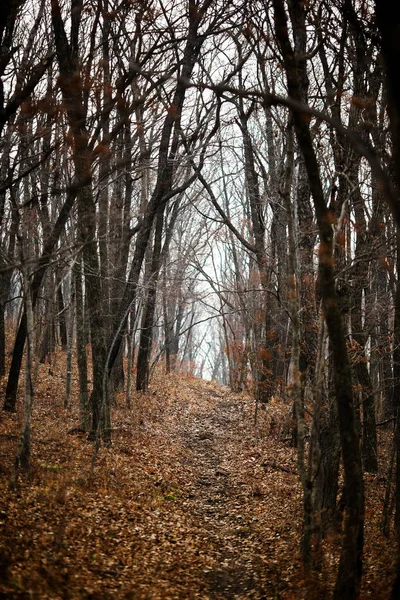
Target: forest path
[(191, 501), (214, 434)]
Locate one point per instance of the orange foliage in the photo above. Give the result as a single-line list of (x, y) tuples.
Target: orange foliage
[(101, 149), (264, 354)]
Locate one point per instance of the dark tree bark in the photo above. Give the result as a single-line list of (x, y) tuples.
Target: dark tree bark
[(159, 255), (267, 359), (329, 442), (350, 566), (9, 14), (388, 22), (25, 87), (396, 405), (16, 361), (362, 261), (62, 323), (305, 217), (163, 189), (72, 90), (5, 281), (146, 337), (81, 340), (2, 341)]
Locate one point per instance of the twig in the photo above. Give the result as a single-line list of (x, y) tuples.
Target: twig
[(386, 421), (274, 465)]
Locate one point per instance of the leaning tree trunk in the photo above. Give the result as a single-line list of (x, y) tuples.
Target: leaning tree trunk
[(350, 565), (146, 337), (18, 351), (360, 337), (165, 174)]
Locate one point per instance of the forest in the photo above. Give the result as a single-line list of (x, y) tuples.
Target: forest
[(199, 299)]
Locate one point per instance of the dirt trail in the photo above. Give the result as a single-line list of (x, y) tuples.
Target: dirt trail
[(191, 502), (214, 434), (184, 505)]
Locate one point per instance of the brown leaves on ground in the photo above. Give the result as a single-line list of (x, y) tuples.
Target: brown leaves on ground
[(191, 501)]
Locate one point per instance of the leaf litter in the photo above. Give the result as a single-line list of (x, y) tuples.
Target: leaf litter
[(190, 501)]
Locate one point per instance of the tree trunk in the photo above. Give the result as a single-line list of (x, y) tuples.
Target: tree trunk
[(146, 337), (329, 441), (62, 324), (81, 338), (70, 347), (18, 351), (71, 84), (165, 173), (350, 566), (15, 367), (24, 450), (2, 340), (117, 378), (388, 22)]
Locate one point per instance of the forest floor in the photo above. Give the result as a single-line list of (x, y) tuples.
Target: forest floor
[(190, 501)]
